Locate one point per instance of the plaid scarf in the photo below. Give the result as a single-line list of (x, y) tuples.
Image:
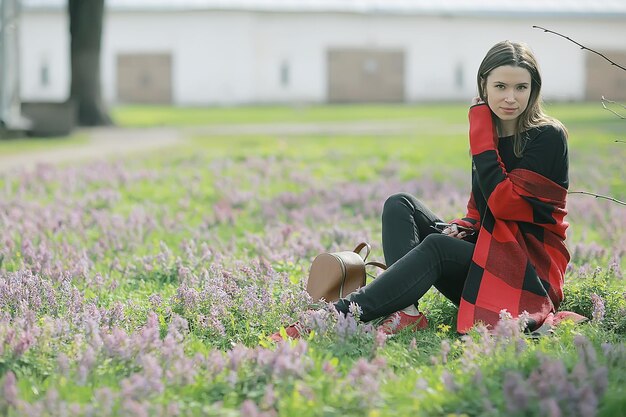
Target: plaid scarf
[(520, 256)]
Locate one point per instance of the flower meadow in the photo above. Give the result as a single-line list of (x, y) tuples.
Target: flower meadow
[(148, 286)]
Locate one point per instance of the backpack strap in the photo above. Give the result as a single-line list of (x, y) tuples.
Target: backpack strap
[(378, 264), (360, 247)]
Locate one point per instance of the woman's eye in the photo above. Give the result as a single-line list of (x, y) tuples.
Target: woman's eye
[(500, 86), (522, 87)]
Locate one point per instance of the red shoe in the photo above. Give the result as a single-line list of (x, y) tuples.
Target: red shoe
[(294, 331), (400, 320)]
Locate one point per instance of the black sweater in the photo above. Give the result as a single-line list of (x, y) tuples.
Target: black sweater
[(545, 153)]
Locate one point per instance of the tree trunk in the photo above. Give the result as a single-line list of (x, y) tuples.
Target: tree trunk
[(86, 19)]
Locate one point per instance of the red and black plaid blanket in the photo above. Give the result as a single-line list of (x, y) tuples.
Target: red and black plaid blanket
[(520, 255)]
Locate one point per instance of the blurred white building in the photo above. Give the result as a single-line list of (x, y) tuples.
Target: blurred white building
[(11, 119), (227, 52)]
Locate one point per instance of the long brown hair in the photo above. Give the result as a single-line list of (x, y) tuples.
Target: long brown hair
[(517, 54)]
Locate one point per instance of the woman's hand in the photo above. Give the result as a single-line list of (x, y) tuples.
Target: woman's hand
[(477, 100), (453, 231)]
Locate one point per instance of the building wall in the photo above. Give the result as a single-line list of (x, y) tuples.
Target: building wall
[(228, 58), (606, 80), (44, 54)]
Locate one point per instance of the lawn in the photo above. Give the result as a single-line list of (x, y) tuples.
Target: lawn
[(148, 286), (10, 147), (138, 116)]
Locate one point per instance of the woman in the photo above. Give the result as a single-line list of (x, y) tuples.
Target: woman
[(508, 252)]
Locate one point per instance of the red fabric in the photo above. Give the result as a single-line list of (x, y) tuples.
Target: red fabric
[(520, 256), (483, 135)]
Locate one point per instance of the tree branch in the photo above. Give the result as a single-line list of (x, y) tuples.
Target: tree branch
[(606, 100), (613, 102), (598, 196), (581, 46), (620, 141)]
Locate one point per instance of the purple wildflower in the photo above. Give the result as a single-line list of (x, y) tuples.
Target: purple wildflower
[(517, 394), (135, 408), (598, 308), (550, 407), (155, 300), (10, 389), (615, 267), (269, 397), (346, 326), (250, 409), (236, 356), (105, 400), (448, 381), (63, 364), (317, 320), (355, 310), (178, 327), (173, 410), (367, 375), (379, 340), (445, 350)]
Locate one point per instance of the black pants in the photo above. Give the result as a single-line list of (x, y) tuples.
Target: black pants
[(418, 257)]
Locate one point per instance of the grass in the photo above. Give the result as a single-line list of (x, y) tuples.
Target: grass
[(101, 262), (189, 116), (144, 116), (10, 147), (430, 115)]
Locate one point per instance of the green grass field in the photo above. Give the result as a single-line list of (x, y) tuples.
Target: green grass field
[(138, 116), (148, 285)]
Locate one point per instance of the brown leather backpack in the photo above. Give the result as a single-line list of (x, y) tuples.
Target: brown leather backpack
[(334, 275)]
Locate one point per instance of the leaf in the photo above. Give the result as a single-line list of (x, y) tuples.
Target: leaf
[(283, 333), (265, 342)]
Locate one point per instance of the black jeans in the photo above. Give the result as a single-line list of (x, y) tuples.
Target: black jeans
[(418, 257)]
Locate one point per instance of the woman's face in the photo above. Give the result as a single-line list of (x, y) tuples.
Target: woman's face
[(508, 90)]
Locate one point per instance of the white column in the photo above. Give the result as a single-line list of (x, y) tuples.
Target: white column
[(10, 115)]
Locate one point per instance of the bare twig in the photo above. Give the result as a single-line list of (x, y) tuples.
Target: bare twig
[(613, 102), (581, 46), (620, 141), (606, 100), (598, 196)]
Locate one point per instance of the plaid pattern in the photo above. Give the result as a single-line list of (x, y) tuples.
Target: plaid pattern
[(520, 255)]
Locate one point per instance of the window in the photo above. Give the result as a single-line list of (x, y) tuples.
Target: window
[(284, 74), (458, 76), (44, 74)]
